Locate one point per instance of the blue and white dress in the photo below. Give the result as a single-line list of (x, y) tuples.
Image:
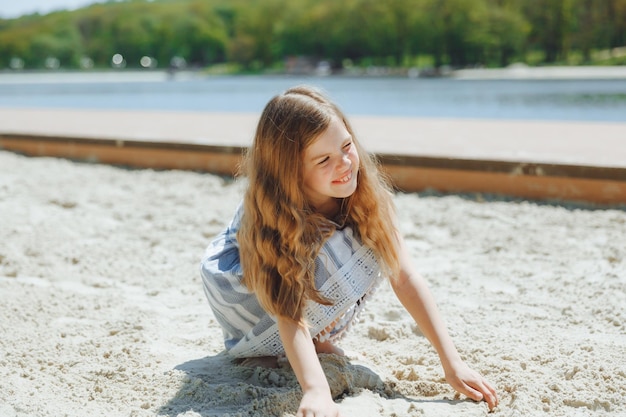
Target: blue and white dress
[(346, 273)]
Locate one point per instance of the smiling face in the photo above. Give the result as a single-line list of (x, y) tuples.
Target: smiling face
[(330, 168)]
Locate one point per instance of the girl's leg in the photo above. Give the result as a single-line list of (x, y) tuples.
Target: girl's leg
[(269, 362), (327, 347)]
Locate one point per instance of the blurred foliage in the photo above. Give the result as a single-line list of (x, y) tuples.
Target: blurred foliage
[(260, 34)]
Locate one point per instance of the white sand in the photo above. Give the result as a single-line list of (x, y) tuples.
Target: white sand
[(102, 310)]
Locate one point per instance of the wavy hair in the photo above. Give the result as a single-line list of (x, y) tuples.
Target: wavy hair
[(280, 235)]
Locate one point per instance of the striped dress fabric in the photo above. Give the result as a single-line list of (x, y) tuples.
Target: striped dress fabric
[(346, 272)]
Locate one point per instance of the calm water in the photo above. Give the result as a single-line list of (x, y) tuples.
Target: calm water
[(588, 100)]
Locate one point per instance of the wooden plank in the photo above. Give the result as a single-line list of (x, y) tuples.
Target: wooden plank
[(602, 185)]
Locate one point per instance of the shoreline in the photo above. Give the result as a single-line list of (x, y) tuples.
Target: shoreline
[(524, 72), (513, 72)]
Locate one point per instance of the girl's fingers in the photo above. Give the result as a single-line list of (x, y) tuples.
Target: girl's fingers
[(488, 393), (480, 390)]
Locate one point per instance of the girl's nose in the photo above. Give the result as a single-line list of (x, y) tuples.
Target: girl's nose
[(345, 161)]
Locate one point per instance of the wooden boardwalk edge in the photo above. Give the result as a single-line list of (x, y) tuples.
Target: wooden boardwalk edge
[(537, 181)]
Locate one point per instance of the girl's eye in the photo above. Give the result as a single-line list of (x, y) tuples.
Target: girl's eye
[(323, 161), (347, 145)]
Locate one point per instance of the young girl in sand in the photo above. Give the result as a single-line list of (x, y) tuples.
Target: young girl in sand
[(314, 236)]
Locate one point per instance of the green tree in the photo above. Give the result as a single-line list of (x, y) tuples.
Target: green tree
[(255, 29), (552, 24), (507, 34), (261, 33), (618, 13)]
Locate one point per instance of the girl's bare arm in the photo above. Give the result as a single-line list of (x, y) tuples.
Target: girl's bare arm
[(316, 399), (412, 291)]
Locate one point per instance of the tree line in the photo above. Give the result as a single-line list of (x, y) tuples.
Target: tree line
[(260, 34)]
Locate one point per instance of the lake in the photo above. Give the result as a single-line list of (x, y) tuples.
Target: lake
[(584, 100)]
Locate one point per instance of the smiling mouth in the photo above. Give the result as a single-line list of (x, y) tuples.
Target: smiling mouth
[(345, 179)]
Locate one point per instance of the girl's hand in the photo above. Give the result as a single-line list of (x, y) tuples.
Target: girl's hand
[(470, 383), (317, 400), (317, 403)]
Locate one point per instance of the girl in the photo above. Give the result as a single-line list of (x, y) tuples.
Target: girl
[(312, 239)]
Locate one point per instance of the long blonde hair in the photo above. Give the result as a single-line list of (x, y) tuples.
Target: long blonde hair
[(280, 234)]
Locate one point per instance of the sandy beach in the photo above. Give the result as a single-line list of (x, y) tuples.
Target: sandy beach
[(102, 311)]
